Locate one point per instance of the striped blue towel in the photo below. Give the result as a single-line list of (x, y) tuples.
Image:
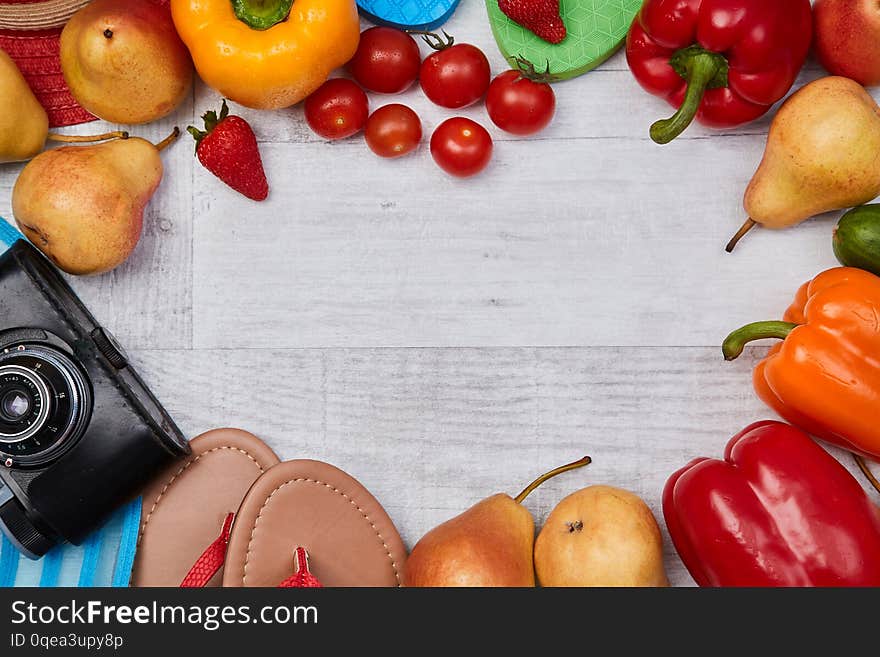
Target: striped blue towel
[(105, 558)]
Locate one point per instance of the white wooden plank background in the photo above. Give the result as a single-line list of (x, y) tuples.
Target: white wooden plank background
[(442, 339)]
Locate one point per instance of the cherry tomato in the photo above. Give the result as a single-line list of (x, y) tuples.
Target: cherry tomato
[(393, 130), (338, 109), (455, 75), (387, 61), (461, 147), (519, 105)]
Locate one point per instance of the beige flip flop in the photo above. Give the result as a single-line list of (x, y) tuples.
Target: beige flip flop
[(347, 535), (188, 504)]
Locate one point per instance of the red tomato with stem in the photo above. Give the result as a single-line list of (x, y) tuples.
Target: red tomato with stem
[(338, 109), (521, 102), (393, 130), (387, 61), (454, 76), (461, 147)]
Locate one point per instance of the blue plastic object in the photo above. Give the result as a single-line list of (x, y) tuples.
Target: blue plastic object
[(408, 14)]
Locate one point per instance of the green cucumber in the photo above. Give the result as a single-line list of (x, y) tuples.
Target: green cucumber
[(857, 238)]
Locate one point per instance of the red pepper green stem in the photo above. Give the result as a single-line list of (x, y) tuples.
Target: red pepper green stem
[(702, 70), (735, 342), (261, 14)]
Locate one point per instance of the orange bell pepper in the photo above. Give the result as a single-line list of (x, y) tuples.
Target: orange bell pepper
[(825, 375), (267, 54)]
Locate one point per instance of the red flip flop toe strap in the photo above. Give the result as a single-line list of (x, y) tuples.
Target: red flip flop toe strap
[(212, 559), (302, 577)]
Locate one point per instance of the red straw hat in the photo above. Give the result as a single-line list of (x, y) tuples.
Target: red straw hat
[(29, 32)]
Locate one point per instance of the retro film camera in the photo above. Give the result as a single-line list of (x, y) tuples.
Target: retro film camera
[(80, 433)]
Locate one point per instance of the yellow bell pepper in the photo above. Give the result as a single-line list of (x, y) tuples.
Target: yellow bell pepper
[(267, 54)]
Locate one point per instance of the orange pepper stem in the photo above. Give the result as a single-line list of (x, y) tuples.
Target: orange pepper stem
[(549, 475), (867, 472), (735, 342)]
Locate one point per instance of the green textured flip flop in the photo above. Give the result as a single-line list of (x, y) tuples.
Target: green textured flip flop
[(596, 29)]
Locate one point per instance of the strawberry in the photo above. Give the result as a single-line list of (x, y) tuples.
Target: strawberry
[(228, 148), (540, 16)]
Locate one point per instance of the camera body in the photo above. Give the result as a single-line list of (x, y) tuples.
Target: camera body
[(80, 433)]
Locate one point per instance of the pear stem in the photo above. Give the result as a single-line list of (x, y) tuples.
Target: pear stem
[(544, 477), (82, 139), (170, 139), (745, 228), (867, 472)]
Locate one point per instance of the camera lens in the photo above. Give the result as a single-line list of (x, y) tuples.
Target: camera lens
[(45, 403), (15, 405), (24, 400)]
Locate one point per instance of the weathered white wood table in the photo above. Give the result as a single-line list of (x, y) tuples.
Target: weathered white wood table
[(443, 340)]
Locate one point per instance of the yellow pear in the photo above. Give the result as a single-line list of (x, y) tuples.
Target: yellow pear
[(821, 155), (83, 206), (490, 544), (24, 126), (600, 536), (124, 62), (23, 121)]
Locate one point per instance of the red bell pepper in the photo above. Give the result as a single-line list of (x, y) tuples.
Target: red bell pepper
[(777, 511), (724, 62)]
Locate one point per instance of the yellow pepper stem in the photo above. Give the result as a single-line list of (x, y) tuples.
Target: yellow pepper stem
[(261, 14)]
